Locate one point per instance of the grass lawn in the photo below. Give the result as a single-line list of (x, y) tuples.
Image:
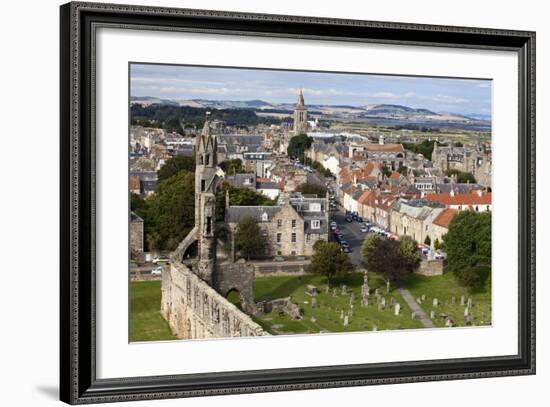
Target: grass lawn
[(326, 317), (146, 323), (444, 288)]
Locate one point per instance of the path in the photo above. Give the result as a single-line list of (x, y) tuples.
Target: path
[(413, 305)]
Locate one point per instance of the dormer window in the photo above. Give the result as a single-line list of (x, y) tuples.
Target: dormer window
[(265, 217), (315, 224)]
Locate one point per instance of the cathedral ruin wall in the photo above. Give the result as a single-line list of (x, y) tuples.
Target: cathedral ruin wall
[(194, 310)]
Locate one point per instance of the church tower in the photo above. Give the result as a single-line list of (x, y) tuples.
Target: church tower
[(300, 116), (205, 200)]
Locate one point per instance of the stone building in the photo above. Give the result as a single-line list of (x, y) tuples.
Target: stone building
[(300, 116), (473, 159), (414, 218), (291, 228), (136, 237)]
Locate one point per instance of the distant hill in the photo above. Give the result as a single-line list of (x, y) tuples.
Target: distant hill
[(372, 112)]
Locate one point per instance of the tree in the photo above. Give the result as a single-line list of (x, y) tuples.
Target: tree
[(174, 165), (408, 248), (437, 244), (392, 259), (468, 246), (312, 189), (329, 260), (403, 169), (239, 197), (428, 241), (298, 144), (319, 167), (461, 176), (170, 213), (385, 170), (231, 167), (249, 239)]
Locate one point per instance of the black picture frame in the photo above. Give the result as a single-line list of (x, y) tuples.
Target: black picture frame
[(78, 382)]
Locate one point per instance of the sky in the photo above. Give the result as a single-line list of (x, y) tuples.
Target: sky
[(463, 96)]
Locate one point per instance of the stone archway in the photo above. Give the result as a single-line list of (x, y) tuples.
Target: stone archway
[(235, 297)]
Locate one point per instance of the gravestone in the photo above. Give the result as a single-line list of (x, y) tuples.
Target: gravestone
[(346, 320), (432, 314), (466, 312), (462, 300), (342, 314), (435, 302), (397, 308), (423, 297), (453, 300), (418, 300), (413, 315), (313, 319), (311, 290), (470, 302), (375, 328), (365, 290), (314, 302)]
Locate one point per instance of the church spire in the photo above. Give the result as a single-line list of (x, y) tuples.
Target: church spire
[(300, 103), (206, 146)]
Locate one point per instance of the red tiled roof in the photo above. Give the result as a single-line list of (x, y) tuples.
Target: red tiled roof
[(461, 199), (134, 183), (363, 198), (395, 175), (445, 217)]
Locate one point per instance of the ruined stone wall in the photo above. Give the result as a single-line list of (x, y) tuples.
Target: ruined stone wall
[(194, 310)]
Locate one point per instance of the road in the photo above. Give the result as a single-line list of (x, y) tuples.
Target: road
[(352, 234)]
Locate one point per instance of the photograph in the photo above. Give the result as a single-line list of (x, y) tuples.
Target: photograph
[(268, 202)]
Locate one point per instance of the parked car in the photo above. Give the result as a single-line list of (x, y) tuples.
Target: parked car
[(344, 242), (346, 249), (359, 219), (349, 219), (278, 258), (160, 259), (364, 229), (157, 271), (439, 255), (392, 237)]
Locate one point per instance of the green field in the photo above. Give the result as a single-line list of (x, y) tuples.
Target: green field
[(146, 323), (326, 317), (444, 288)]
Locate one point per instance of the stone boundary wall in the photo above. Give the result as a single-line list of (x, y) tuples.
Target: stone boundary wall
[(194, 310), (430, 268)]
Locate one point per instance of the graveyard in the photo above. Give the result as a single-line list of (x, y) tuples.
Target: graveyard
[(338, 309), (442, 298)]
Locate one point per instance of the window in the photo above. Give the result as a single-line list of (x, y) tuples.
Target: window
[(293, 223), (279, 223), (293, 253), (279, 235), (315, 207), (203, 185), (293, 237), (208, 225), (308, 237), (315, 224)]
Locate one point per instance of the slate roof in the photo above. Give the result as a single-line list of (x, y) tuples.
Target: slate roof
[(235, 214), (238, 180)]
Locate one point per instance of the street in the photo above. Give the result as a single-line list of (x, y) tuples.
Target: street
[(352, 234)]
